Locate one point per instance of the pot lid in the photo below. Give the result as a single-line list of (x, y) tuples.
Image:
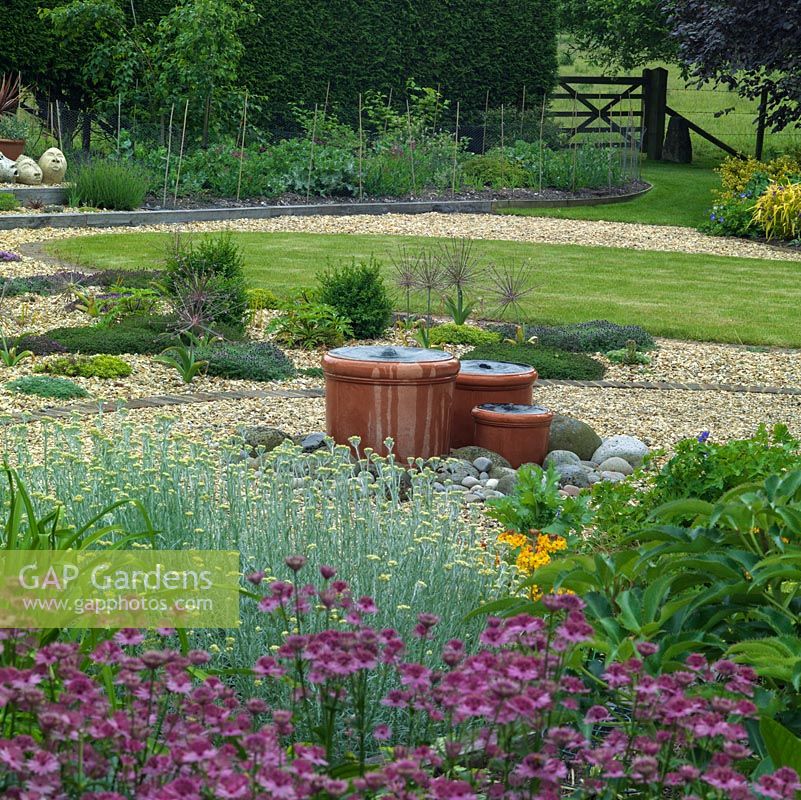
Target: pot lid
[(513, 408), (395, 355), (472, 367)]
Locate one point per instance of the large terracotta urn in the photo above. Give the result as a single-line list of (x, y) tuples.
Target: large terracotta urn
[(481, 382), (12, 148), (519, 432), (404, 393)]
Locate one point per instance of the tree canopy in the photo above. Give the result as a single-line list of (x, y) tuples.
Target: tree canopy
[(745, 45)]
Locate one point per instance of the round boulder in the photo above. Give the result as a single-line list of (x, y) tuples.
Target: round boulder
[(507, 483), (457, 471), (573, 435), (473, 452), (263, 438), (557, 457), (613, 477), (573, 475), (616, 464), (629, 448)]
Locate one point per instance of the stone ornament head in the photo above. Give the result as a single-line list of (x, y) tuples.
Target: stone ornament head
[(53, 165), (8, 170), (28, 171)]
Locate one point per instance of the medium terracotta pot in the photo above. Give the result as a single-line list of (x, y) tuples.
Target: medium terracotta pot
[(404, 393), (12, 148), (480, 382), (518, 432)]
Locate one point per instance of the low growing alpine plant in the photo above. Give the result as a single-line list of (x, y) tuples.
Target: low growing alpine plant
[(518, 717)]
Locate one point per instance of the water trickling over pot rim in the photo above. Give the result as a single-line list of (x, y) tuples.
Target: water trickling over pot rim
[(513, 408), (478, 367), (392, 355)]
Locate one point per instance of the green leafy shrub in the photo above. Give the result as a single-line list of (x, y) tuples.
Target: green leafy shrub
[(536, 505), (45, 386), (358, 293), (495, 171), (777, 212), (701, 469), (76, 366), (135, 334), (8, 202), (251, 361), (731, 216), (205, 283), (450, 333), (628, 355), (310, 325), (259, 299), (549, 363), (114, 185)]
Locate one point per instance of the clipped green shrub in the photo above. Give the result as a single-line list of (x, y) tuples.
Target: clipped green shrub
[(76, 366), (259, 299), (595, 336), (136, 334), (129, 278), (113, 185), (549, 363), (8, 202), (252, 361), (450, 333), (205, 283), (33, 284), (45, 386), (358, 292)]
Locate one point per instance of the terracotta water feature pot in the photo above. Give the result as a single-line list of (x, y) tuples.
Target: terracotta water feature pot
[(404, 393), (481, 382), (519, 432)]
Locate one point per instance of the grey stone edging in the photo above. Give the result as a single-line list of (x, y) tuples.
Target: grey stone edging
[(49, 195), (110, 219), (166, 400)]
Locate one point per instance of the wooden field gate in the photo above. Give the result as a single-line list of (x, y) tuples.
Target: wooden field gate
[(601, 112)]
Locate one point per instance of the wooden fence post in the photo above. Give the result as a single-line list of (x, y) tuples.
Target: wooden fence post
[(763, 112), (654, 103)]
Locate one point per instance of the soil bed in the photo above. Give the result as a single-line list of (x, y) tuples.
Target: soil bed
[(154, 202)]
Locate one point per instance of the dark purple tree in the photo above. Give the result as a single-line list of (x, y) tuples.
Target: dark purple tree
[(745, 45)]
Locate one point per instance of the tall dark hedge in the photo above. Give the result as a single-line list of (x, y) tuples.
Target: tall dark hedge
[(293, 48), (465, 48)]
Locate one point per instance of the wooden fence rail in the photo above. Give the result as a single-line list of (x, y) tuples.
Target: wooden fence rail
[(647, 118)]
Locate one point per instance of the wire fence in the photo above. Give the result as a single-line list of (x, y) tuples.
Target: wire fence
[(182, 127)]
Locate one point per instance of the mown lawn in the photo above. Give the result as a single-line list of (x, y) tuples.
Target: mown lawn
[(700, 297), (682, 195)]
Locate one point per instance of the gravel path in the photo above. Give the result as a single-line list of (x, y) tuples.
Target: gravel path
[(663, 238), (660, 418)]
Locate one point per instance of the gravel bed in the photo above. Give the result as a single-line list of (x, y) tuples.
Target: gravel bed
[(702, 362), (660, 418), (663, 238)]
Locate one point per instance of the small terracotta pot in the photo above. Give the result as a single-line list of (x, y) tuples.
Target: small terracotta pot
[(12, 148), (480, 382), (518, 432), (404, 393)]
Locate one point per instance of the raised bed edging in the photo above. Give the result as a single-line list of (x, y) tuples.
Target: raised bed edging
[(111, 219), (49, 195)]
